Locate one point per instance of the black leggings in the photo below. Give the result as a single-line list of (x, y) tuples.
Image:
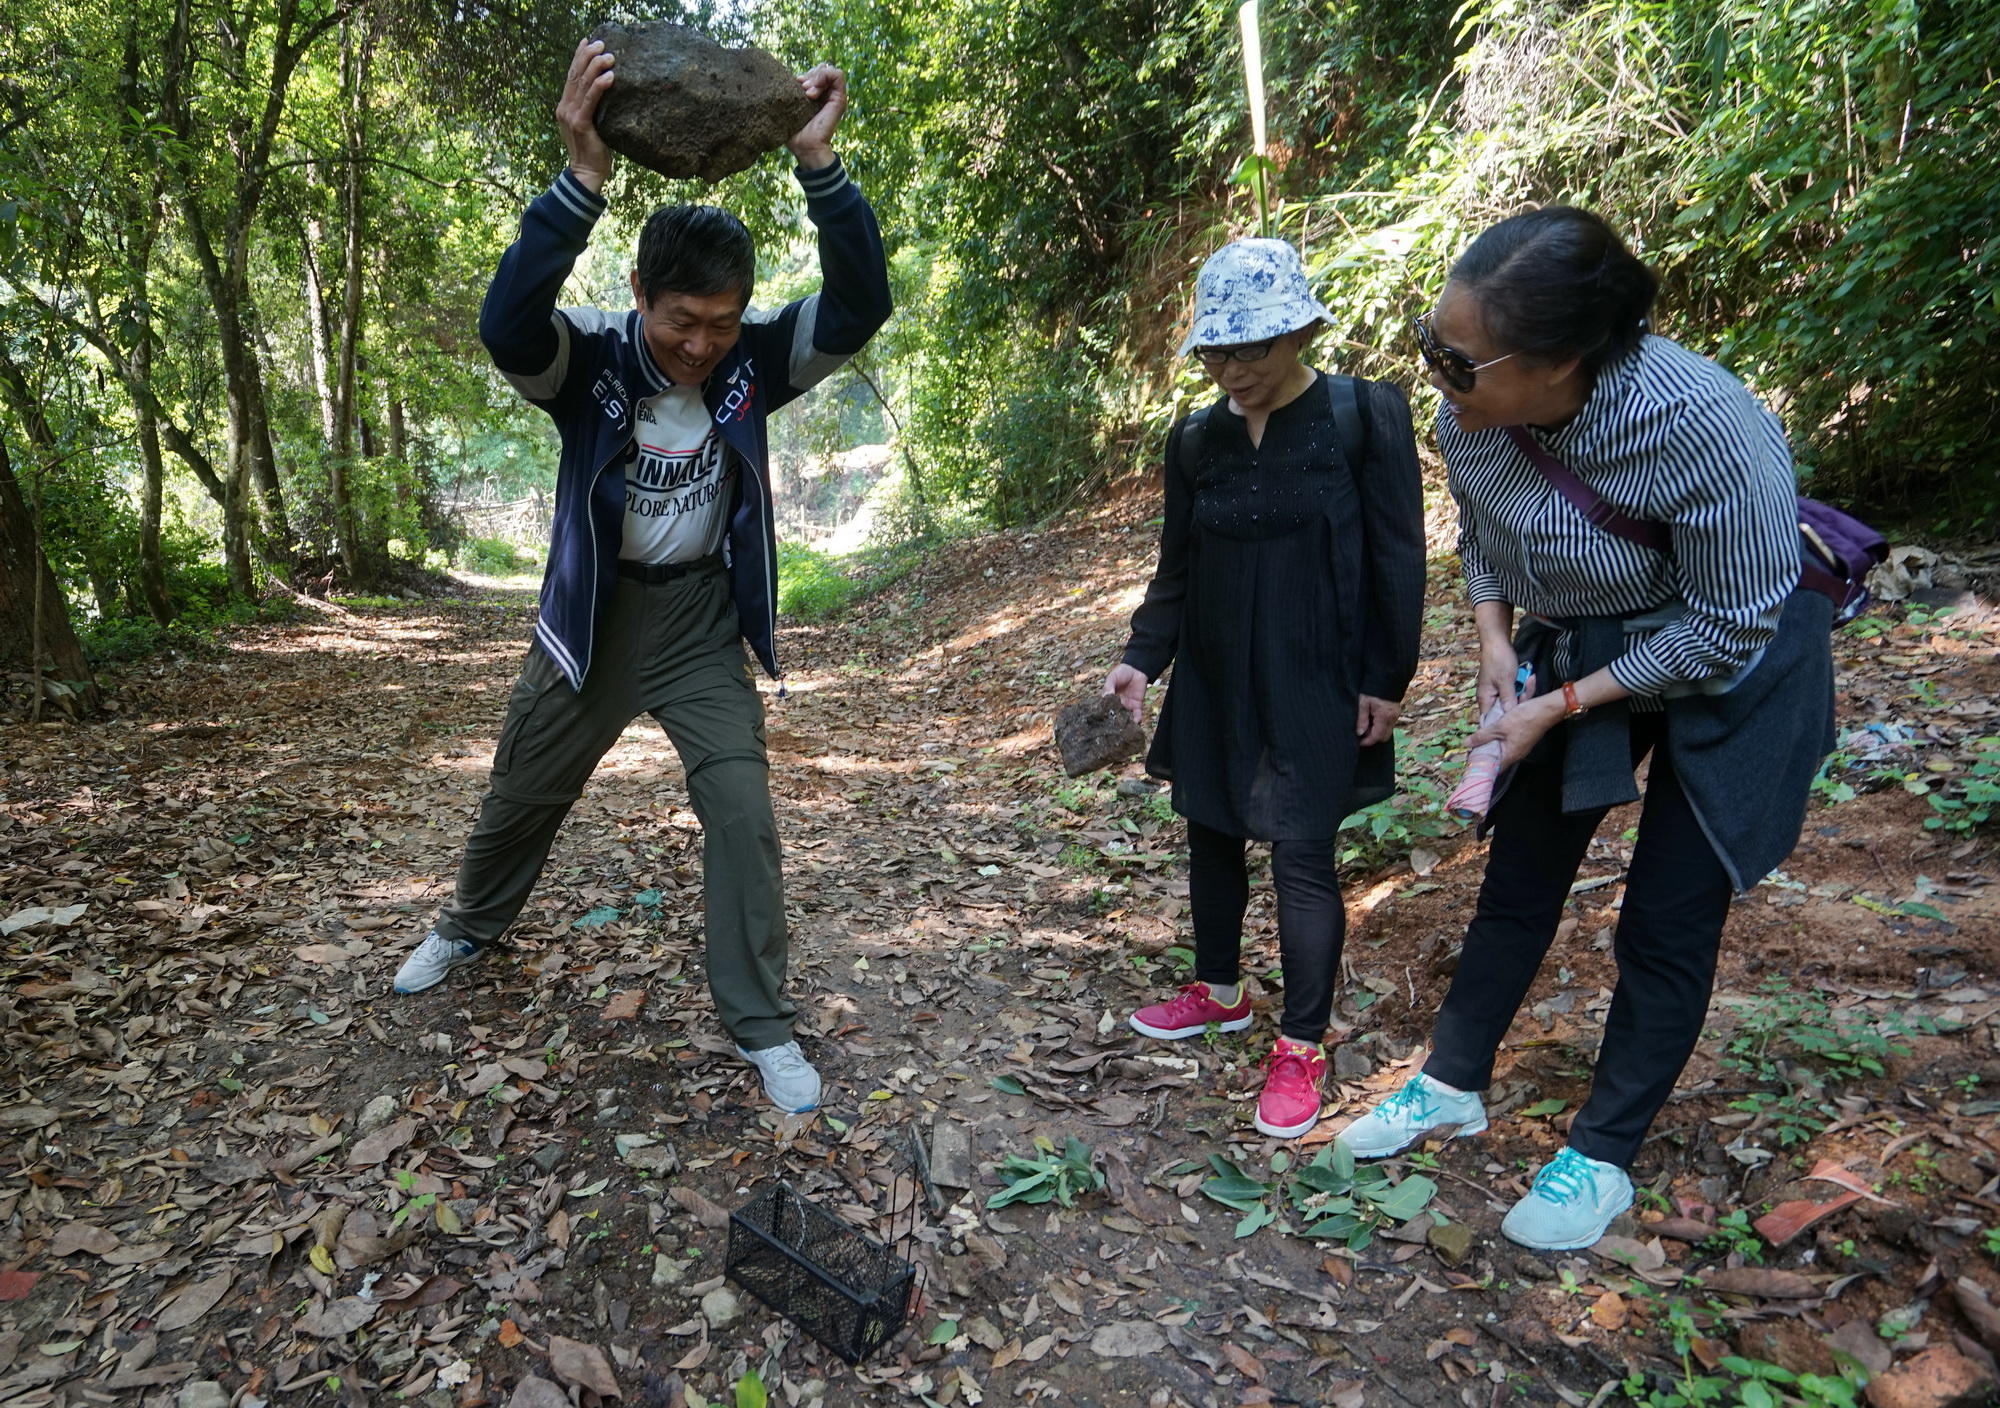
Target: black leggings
[(1669, 932), (1312, 922)]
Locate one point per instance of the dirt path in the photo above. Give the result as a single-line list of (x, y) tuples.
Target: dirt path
[(238, 1171)]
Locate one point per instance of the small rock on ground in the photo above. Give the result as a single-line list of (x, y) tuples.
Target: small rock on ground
[(719, 1307), (1352, 1063), (1937, 1378), (1452, 1241), (376, 1114)]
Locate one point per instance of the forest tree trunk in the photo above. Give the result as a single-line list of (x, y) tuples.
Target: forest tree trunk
[(152, 574), (25, 583)]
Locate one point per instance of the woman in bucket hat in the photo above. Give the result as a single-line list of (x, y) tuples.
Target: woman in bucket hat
[(1288, 599)]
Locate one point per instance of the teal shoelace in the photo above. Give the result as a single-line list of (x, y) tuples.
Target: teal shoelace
[(1565, 1178), (1412, 1097)]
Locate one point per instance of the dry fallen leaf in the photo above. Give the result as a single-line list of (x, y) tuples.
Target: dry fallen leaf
[(337, 1318), (706, 1211), (381, 1144), (1765, 1282), (76, 1237), (435, 1290), (1127, 1339), (1785, 1221), (194, 1302), (1247, 1364), (578, 1363)]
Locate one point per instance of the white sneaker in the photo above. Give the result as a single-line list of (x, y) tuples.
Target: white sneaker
[(789, 1079), (432, 959), (1423, 1106)]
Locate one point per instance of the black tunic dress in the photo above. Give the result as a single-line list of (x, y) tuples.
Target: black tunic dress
[(1289, 584)]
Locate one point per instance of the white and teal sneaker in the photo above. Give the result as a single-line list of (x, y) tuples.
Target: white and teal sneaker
[(432, 959), (1573, 1201), (1422, 1107)]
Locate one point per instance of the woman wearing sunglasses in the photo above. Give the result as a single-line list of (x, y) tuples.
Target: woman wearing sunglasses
[(1696, 649), (1288, 598)]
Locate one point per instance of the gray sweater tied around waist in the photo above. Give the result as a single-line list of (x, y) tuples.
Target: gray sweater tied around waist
[(1746, 757)]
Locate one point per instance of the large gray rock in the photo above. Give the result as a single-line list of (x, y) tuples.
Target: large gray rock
[(683, 105)]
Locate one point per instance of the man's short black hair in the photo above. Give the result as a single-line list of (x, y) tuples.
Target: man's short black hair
[(697, 249)]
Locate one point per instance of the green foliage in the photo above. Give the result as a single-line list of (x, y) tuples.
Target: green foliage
[(1796, 1041), (1386, 831), (811, 584), (1971, 799), (1047, 1175), (204, 607), (494, 557), (1805, 178), (1334, 1196), (1747, 1383), (1812, 181), (1802, 1024), (1738, 1382), (1735, 1233)]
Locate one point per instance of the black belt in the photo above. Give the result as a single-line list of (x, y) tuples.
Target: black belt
[(653, 572)]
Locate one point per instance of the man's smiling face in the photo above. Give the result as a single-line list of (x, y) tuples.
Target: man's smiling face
[(689, 333)]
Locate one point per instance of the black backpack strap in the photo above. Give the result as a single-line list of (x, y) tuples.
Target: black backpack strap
[(1350, 417), (1193, 430)]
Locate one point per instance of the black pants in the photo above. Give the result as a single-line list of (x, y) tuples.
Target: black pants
[(1669, 931), (1312, 922)]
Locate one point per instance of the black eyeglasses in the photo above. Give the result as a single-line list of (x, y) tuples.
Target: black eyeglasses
[(1459, 371), (1241, 352)]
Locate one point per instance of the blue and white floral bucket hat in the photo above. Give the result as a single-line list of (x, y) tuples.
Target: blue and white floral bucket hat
[(1248, 291)]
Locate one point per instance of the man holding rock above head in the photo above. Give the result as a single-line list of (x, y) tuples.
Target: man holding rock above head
[(663, 557)]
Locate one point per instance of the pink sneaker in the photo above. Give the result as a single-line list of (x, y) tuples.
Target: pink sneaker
[(1190, 1014), (1289, 1105)]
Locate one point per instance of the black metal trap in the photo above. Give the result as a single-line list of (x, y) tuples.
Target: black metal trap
[(835, 1282)]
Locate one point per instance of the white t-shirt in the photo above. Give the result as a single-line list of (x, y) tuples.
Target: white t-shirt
[(677, 491)]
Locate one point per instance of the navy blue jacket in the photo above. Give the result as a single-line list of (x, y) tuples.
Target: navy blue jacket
[(590, 369)]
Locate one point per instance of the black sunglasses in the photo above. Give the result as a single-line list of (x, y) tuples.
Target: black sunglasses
[(1458, 371), (1241, 352)]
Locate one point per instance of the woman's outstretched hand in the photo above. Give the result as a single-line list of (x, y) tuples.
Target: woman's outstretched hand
[(1130, 687)]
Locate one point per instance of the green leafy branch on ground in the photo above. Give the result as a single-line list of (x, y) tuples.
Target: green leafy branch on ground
[(1048, 1176), (1333, 1195)]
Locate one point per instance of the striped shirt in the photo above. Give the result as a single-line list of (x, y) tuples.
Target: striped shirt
[(1666, 435)]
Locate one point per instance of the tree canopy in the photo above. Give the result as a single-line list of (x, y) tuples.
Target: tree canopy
[(242, 245)]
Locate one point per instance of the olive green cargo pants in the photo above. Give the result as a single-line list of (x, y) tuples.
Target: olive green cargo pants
[(672, 650)]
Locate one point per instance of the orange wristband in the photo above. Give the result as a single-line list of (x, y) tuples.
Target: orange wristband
[(1571, 704)]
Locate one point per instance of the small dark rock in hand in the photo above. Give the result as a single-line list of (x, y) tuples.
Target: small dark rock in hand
[(1097, 733)]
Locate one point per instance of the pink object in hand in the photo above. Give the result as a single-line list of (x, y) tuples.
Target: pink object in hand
[(1472, 797)]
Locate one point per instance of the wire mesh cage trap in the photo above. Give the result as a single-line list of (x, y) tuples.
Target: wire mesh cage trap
[(835, 1282)]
